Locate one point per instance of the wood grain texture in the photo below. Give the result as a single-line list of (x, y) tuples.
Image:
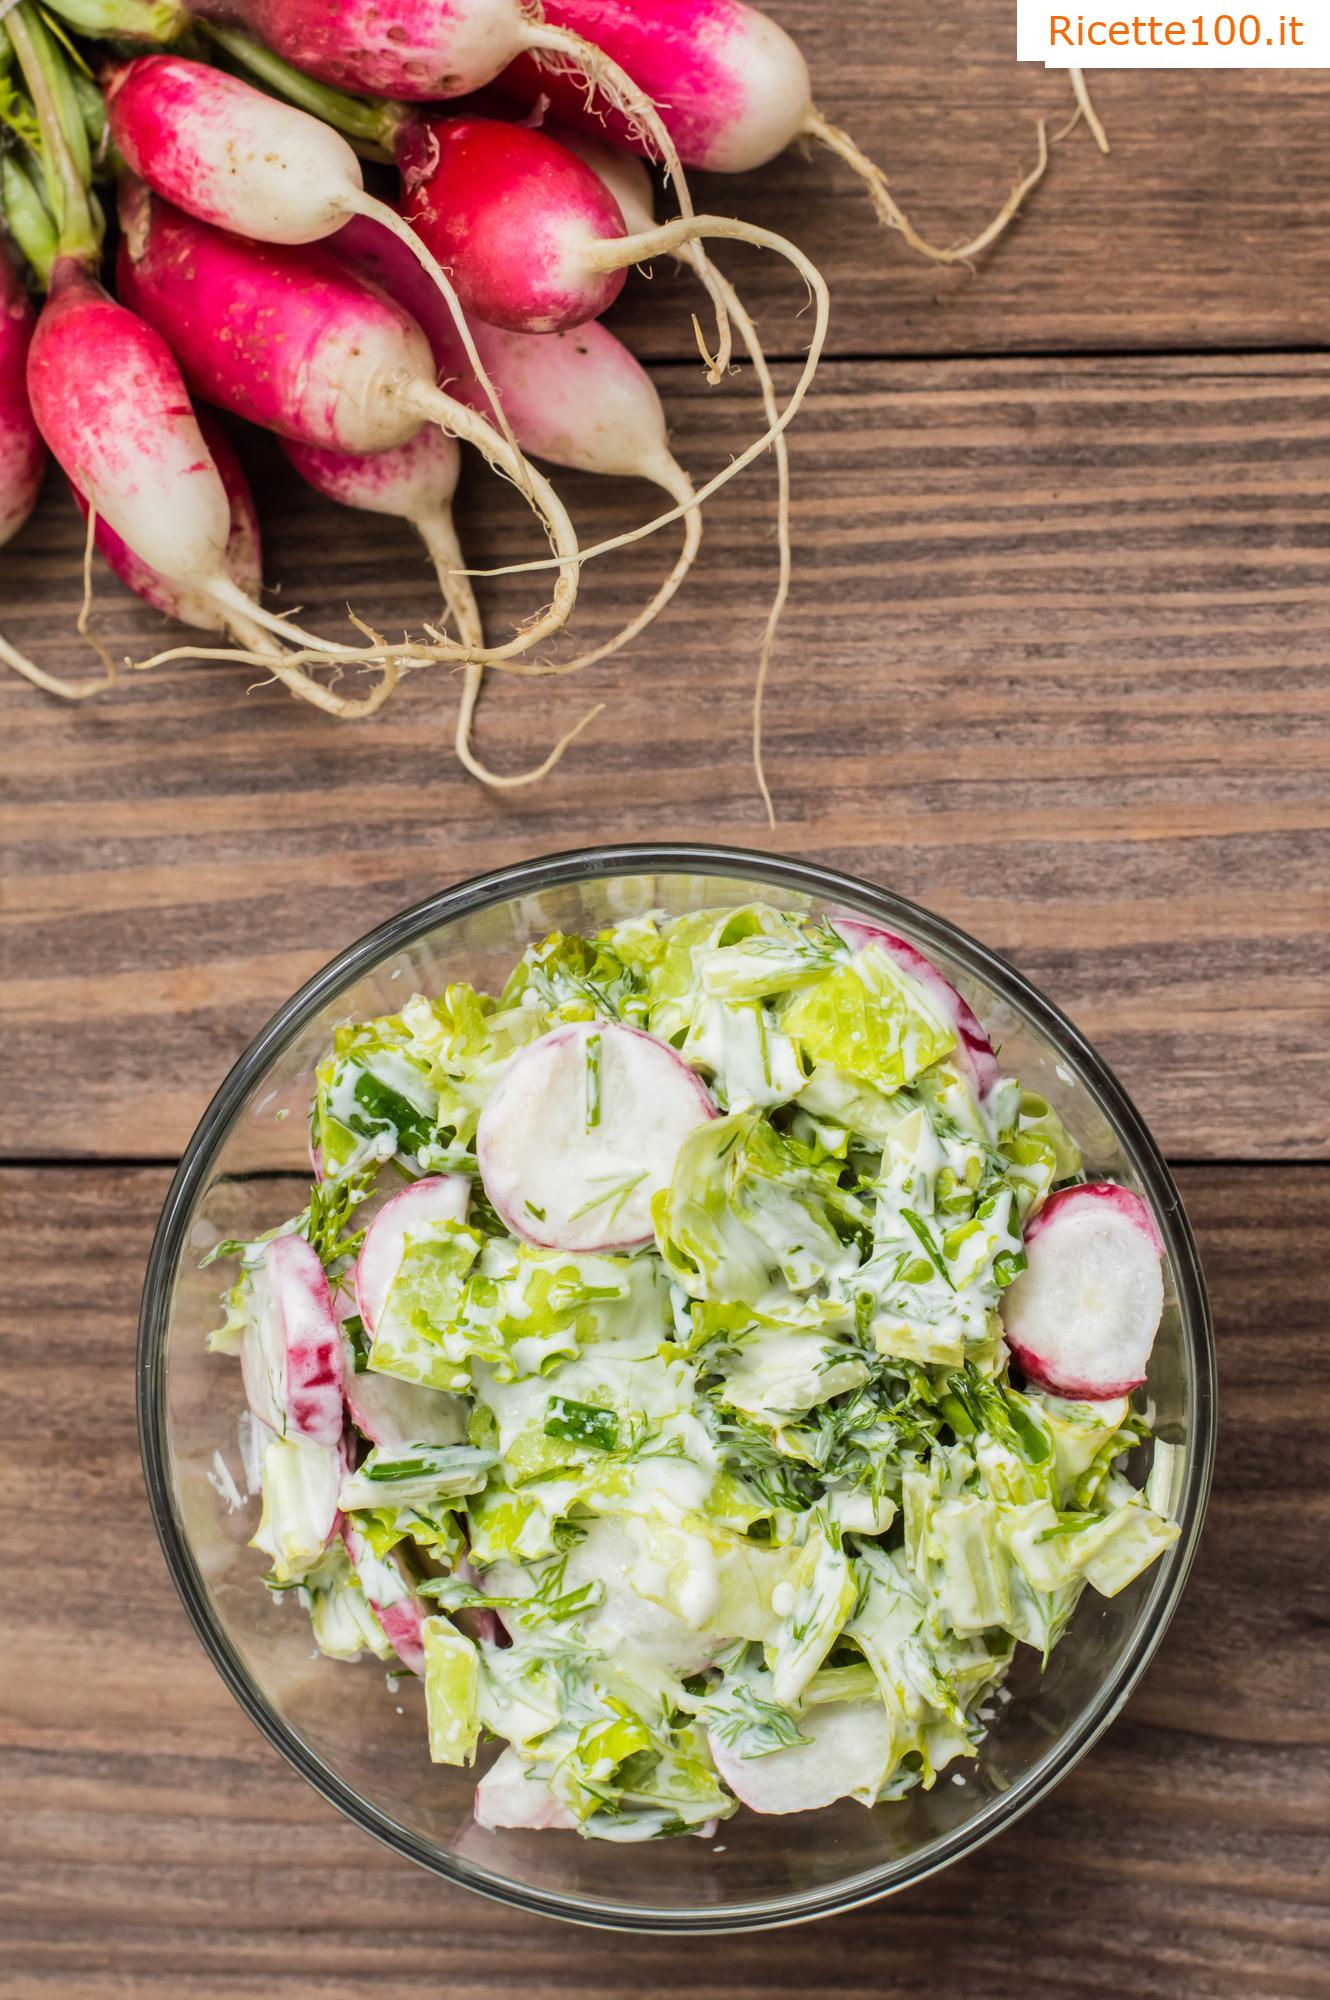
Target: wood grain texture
[(152, 1844), (1055, 666)]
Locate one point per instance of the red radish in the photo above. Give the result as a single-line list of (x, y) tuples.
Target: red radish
[(1082, 1319), (403, 49), (109, 401), (581, 1130), (418, 1210), (508, 1795), (233, 156), (22, 454), (291, 339), (390, 1596), (849, 1747), (415, 482), (732, 87), (390, 1411), (973, 1047)]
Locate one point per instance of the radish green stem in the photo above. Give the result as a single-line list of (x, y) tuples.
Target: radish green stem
[(373, 121), (79, 237)]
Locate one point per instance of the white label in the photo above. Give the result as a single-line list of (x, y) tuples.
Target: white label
[(1107, 34)]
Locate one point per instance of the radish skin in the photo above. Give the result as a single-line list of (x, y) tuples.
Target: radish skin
[(109, 401), (734, 90), (972, 1045), (389, 1594), (1081, 1318), (231, 155), (582, 1130), (291, 339), (311, 1338), (418, 52), (418, 1209)]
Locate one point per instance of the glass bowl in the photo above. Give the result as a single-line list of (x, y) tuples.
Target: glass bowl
[(362, 1745)]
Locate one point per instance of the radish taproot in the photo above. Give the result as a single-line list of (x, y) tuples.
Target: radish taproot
[(420, 1211), (415, 482), (582, 1130), (1081, 1319), (629, 181), (290, 338), (734, 90), (973, 1047), (577, 399)]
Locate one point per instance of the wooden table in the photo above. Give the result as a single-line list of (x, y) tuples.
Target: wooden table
[(1056, 665)]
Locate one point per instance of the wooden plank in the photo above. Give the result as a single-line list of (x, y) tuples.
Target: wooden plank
[(151, 1842), (1054, 666), (1208, 227)]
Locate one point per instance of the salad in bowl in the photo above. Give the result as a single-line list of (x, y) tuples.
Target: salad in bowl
[(703, 1366)]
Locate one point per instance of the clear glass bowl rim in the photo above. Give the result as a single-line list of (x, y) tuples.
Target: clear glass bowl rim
[(831, 886)]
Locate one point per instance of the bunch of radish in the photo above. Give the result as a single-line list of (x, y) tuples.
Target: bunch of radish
[(256, 273)]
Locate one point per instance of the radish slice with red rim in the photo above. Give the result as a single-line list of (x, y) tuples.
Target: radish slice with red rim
[(849, 1747), (417, 1211), (291, 1357), (390, 1596), (1081, 1319), (582, 1130), (972, 1044)]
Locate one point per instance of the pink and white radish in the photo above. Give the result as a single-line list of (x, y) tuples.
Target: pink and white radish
[(292, 1352), (848, 1752), (231, 155), (389, 1594), (422, 1210), (465, 178), (973, 1048), (291, 339), (733, 89), (582, 1130), (418, 50), (1082, 1318)]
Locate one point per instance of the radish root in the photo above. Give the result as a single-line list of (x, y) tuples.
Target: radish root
[(1086, 105), (560, 49), (52, 683), (891, 214), (668, 237)]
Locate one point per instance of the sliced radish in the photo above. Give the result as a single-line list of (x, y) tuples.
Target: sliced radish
[(392, 1412), (582, 1129), (973, 1045), (390, 1596), (506, 1796), (849, 1751), (1081, 1320), (291, 1357), (417, 1211)]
